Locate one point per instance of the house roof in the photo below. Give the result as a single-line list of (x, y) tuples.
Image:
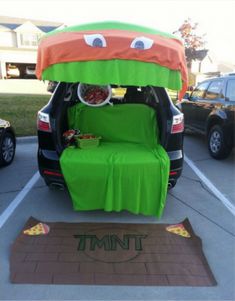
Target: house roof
[(226, 67), (12, 23), (47, 28), (4, 28)]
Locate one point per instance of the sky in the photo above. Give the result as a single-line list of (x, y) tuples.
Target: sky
[(215, 17)]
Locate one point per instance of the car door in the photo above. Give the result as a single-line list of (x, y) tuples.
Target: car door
[(230, 102), (188, 105), (209, 103)]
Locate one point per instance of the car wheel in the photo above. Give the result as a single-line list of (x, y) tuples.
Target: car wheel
[(216, 143), (7, 149)]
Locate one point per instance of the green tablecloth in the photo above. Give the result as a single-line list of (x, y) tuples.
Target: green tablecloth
[(128, 171)]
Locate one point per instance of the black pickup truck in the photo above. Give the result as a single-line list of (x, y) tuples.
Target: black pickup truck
[(210, 110)]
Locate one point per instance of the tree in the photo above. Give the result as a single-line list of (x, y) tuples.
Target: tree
[(194, 43)]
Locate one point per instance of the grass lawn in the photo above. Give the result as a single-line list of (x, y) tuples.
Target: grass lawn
[(21, 111)]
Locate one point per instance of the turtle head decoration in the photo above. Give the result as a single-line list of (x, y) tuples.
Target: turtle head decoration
[(113, 53)]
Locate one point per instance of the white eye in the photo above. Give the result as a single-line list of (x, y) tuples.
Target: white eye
[(142, 43), (95, 40)]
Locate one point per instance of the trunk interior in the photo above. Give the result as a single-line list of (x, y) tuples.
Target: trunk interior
[(129, 170), (124, 95)]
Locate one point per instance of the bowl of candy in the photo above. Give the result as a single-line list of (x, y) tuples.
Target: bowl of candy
[(94, 95), (85, 141)]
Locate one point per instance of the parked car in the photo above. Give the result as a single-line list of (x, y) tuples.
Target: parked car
[(13, 71), (52, 123), (7, 143), (30, 72), (210, 110), (51, 86)]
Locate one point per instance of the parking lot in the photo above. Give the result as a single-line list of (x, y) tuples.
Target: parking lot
[(211, 217)]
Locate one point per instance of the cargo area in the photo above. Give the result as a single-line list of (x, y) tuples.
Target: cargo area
[(129, 168)]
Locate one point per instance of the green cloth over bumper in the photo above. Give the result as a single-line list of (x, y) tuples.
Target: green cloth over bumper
[(128, 171)]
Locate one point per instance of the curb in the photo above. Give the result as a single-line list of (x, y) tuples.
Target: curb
[(28, 139)]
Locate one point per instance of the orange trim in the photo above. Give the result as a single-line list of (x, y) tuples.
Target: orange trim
[(71, 47)]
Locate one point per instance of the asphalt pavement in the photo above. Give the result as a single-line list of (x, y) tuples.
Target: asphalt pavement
[(191, 198)]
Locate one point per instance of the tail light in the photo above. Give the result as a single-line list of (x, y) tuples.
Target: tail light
[(52, 173), (43, 122), (177, 124), (173, 173)]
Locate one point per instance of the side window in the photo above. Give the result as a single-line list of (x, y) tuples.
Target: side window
[(230, 92), (214, 90), (199, 91)]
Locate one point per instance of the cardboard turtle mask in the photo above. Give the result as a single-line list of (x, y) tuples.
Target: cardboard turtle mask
[(113, 53)]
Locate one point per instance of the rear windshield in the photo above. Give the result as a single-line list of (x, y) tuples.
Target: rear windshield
[(121, 94)]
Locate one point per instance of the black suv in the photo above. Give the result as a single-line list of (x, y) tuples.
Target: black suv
[(210, 110), (52, 123)]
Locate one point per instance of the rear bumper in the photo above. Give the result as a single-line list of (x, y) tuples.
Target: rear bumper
[(50, 170), (176, 164), (49, 166)]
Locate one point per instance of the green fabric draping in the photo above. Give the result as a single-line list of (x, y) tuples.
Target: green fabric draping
[(119, 72), (128, 171)]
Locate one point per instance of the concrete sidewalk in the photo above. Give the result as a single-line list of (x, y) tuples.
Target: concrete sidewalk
[(23, 86)]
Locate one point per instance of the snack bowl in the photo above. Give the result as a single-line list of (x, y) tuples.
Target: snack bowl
[(94, 95), (85, 141)]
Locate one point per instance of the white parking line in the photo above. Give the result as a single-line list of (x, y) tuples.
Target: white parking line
[(18, 199), (211, 186)]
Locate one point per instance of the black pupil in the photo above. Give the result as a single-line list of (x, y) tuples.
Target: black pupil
[(139, 44), (97, 42)]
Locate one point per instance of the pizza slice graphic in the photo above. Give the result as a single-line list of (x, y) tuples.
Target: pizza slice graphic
[(178, 229), (38, 229)]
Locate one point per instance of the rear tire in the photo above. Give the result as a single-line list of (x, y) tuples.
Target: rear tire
[(216, 143), (7, 149)]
